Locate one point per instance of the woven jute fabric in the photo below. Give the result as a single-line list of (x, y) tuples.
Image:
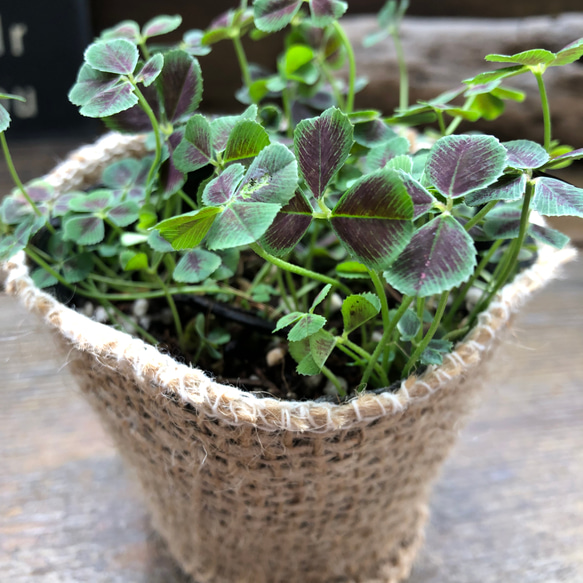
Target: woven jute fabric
[(248, 489)]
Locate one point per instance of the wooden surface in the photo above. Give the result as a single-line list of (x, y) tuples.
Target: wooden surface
[(507, 508)]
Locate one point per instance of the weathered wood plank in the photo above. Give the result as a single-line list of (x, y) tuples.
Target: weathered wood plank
[(508, 506)]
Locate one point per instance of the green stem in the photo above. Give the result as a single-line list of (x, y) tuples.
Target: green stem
[(187, 199), (480, 214), (513, 258), (430, 333), (403, 74), (441, 122), (42, 263), (335, 91), (292, 288), (156, 127), (173, 309), (120, 283), (286, 102), (420, 313), (367, 356), (455, 122), (242, 58), (387, 333), (463, 292), (283, 290), (18, 182), (334, 380), (297, 269), (351, 66), (546, 109)]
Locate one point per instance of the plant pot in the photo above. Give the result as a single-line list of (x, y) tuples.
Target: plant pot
[(255, 490)]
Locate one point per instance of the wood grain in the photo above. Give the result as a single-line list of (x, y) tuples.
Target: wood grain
[(508, 506)]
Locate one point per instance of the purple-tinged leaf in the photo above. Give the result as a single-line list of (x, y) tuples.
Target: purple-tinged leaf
[(307, 325), (84, 229), (503, 73), (440, 256), (135, 118), (241, 223), (171, 178), (271, 178), (273, 15), (409, 325), (188, 230), (90, 83), (380, 155), (192, 43), (125, 213), (220, 190), (568, 157), (12, 244), (373, 219), (322, 145), (555, 198), (503, 222), (287, 320), (507, 187), (40, 191), (322, 344), (117, 98), (223, 126), (569, 54), (372, 133), (324, 12), (460, 164), (61, 203), (422, 199), (113, 56), (77, 268), (161, 25), (358, 309), (246, 140), (289, 226), (195, 149), (158, 243), (195, 266), (181, 81), (525, 154), (530, 58), (150, 71), (121, 174), (94, 202), (127, 29), (549, 236)]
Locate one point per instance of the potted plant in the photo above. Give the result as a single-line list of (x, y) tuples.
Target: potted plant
[(292, 307)]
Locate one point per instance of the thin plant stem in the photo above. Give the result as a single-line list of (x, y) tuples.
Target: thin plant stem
[(42, 263), (420, 313), (335, 91), (366, 356), (546, 109), (351, 66), (242, 58), (297, 269), (187, 199), (430, 333), (455, 122), (18, 182), (463, 292), (387, 333), (403, 74), (283, 290), (173, 309), (156, 127), (292, 289), (441, 122), (334, 380), (480, 214), (287, 111), (513, 257)]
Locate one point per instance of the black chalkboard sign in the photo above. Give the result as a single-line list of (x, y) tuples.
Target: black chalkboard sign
[(41, 50)]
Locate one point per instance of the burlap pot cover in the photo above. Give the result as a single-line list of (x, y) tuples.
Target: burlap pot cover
[(255, 490)]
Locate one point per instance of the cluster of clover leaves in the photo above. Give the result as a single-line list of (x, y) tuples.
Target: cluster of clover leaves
[(340, 209)]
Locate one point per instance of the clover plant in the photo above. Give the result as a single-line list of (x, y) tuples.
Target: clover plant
[(301, 216)]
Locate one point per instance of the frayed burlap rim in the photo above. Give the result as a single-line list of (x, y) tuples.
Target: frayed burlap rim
[(231, 404)]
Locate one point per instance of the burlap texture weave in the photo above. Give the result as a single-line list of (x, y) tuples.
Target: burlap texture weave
[(255, 490)]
